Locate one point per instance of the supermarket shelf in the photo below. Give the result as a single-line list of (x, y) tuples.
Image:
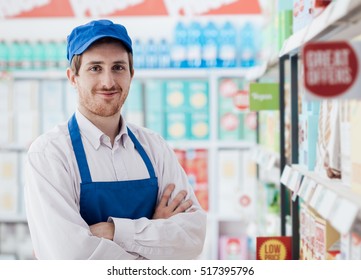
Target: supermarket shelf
[(13, 218), (335, 185), (331, 198), (13, 148), (195, 73), (234, 144), (341, 20), (189, 144)]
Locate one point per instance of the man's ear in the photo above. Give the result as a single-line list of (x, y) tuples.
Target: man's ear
[(71, 76)]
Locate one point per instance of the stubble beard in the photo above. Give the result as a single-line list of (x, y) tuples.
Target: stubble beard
[(104, 108)]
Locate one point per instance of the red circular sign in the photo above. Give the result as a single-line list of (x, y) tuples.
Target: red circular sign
[(241, 99), (229, 121), (330, 68)]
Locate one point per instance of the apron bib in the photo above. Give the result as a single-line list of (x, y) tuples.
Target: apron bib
[(131, 199)]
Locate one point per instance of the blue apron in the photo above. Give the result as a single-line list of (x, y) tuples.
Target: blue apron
[(130, 199)]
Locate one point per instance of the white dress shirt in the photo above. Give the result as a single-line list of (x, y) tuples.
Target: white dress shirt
[(52, 194)]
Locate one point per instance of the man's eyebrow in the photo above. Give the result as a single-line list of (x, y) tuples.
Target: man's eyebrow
[(102, 62)]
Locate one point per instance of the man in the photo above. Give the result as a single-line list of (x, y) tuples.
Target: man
[(99, 187)]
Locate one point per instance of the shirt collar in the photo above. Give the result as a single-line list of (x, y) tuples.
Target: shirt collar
[(94, 135)]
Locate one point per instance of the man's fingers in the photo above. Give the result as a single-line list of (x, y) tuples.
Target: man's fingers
[(177, 200), (183, 206), (166, 195)]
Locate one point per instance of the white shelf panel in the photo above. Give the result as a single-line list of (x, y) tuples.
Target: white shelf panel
[(190, 73), (339, 21), (208, 144), (12, 218), (335, 185), (13, 148), (332, 199)]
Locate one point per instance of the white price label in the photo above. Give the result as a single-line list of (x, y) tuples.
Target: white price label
[(343, 215), (294, 180), (317, 197), (303, 188), (309, 190), (286, 175), (271, 162), (327, 203)]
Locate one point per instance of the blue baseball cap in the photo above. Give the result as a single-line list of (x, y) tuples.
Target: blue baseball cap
[(83, 36)]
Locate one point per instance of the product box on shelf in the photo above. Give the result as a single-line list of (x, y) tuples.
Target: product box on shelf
[(196, 167), (328, 161), (177, 126), (5, 95), (199, 126), (154, 106), (307, 232), (269, 130), (345, 131), (176, 96), (345, 246), (230, 183), (52, 96), (327, 240), (26, 96), (308, 135), (355, 249), (8, 183), (249, 126), (71, 99), (356, 149), (6, 128), (52, 104), (198, 95), (26, 128), (285, 29), (195, 164), (133, 107), (302, 14), (233, 247), (229, 114), (318, 239), (49, 120), (304, 11)]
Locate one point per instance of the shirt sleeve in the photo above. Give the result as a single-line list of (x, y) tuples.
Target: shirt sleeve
[(49, 192), (178, 237)]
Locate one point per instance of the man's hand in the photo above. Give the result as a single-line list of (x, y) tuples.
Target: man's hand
[(165, 209), (103, 229)]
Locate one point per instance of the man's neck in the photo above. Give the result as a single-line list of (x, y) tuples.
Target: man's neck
[(110, 126)]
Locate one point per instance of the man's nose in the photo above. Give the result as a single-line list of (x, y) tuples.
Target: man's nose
[(107, 80)]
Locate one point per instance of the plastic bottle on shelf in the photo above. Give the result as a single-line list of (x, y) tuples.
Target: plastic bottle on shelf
[(26, 51), (227, 56), (4, 53), (210, 47), (139, 54), (164, 54), (194, 45), (62, 61), (38, 55), (14, 55), (151, 54), (179, 46), (50, 49), (247, 46)]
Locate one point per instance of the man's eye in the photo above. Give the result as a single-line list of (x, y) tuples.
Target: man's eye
[(95, 68), (118, 67)]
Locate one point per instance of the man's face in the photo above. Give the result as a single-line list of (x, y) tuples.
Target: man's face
[(104, 79)]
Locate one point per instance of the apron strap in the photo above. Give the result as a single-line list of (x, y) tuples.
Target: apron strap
[(79, 150), (142, 153)]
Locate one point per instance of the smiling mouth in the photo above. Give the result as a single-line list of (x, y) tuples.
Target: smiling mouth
[(108, 93)]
